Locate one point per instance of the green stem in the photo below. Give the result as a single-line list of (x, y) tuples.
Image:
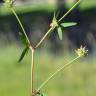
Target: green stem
[(43, 38), (52, 28), (69, 10), (58, 70), (20, 23), (32, 70)]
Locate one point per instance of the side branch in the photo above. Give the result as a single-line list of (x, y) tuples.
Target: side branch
[(57, 71), (43, 38), (69, 10)]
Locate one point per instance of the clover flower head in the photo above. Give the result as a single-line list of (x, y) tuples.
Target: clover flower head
[(82, 51), (8, 3)]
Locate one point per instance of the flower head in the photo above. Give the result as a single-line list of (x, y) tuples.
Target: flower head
[(8, 3), (81, 51), (54, 21)]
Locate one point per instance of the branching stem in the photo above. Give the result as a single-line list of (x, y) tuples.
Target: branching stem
[(52, 28), (39, 43), (32, 49)]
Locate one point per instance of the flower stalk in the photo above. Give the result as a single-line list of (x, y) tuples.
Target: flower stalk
[(81, 52), (55, 73)]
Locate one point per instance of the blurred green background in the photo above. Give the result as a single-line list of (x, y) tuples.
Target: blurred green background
[(76, 80)]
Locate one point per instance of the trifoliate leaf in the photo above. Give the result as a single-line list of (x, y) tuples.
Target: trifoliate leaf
[(68, 24), (23, 54), (59, 30), (23, 39)]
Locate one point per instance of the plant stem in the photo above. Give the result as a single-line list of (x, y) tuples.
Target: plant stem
[(43, 38), (58, 70), (13, 11), (32, 69), (32, 50), (69, 10)]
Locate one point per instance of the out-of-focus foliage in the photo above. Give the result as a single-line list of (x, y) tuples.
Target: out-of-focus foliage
[(24, 8), (87, 4), (78, 80)]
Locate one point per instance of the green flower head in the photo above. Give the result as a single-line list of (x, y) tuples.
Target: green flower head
[(81, 51), (54, 23), (8, 3)]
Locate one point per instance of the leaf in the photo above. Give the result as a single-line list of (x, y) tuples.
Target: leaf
[(68, 24), (59, 30), (54, 17), (23, 53), (23, 39)]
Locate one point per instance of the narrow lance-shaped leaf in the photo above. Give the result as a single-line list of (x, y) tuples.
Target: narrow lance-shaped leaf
[(23, 39), (59, 30), (23, 53), (54, 17), (68, 24)]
